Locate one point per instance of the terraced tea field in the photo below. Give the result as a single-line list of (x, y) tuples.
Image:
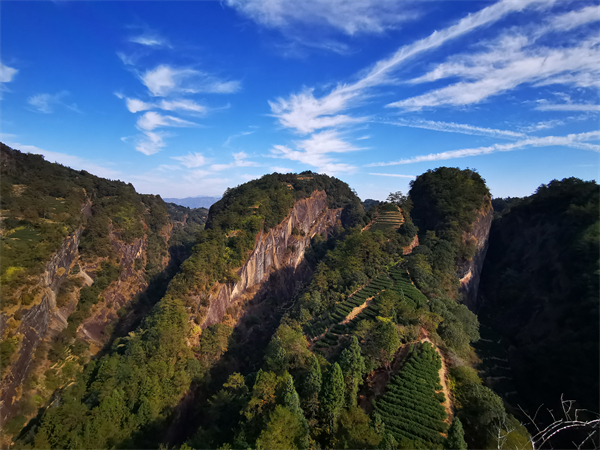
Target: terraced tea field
[(363, 304)]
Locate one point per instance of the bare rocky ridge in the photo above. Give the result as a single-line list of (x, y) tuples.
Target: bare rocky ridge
[(469, 272), (279, 248)]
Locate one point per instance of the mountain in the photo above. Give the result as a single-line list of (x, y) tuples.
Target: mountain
[(540, 293), (201, 201), (283, 317), (82, 258)]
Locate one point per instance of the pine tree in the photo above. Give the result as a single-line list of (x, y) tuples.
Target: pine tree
[(353, 367), (332, 397), (312, 387), (456, 436), (291, 401)]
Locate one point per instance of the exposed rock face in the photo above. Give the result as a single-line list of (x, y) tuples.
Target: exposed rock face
[(469, 272), (35, 323), (130, 283), (409, 248), (282, 247)]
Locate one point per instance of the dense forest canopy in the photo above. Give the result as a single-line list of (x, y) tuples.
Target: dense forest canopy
[(298, 372), (540, 288)]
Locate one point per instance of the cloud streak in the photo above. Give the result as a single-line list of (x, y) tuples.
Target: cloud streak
[(164, 80), (572, 140)]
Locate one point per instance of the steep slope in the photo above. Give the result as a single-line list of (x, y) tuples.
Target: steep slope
[(540, 291), (76, 250), (261, 225)]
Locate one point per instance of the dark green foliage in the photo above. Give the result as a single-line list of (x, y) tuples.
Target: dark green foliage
[(540, 280), (409, 408), (311, 388), (332, 397), (354, 430), (126, 390), (353, 367), (456, 436)]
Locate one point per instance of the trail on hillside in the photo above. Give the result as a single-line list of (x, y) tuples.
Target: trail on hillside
[(443, 373)]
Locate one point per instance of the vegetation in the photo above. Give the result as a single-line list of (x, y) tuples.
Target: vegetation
[(410, 408), (236, 219), (540, 281)]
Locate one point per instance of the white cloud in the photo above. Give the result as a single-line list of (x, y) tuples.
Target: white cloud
[(151, 40), (348, 16), (164, 80), (235, 136), (397, 175), (314, 152), (567, 107), (362, 138), (191, 160), (544, 125), (451, 127), (305, 113), (135, 105), (182, 104), (46, 103), (7, 73), (75, 162), (150, 142), (512, 60), (239, 160), (151, 120), (572, 140)]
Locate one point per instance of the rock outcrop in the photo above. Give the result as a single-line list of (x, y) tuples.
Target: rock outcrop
[(281, 247), (469, 272), (35, 322)]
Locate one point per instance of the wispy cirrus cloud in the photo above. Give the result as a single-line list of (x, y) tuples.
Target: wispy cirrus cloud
[(514, 59), (235, 136), (315, 151), (577, 141), (347, 16), (567, 107), (451, 127), (135, 105), (150, 39), (47, 103), (151, 120), (306, 113), (240, 159), (165, 79), (191, 160)]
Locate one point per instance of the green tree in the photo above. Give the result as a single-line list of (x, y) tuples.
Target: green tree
[(292, 403), (354, 430), (312, 387), (332, 397), (282, 429), (353, 367), (456, 436)]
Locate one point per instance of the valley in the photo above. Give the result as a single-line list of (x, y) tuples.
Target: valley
[(286, 316)]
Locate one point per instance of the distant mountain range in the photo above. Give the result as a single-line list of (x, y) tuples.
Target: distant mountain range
[(201, 201)]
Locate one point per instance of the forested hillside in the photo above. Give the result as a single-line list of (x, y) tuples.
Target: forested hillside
[(295, 320), (82, 258), (540, 292)]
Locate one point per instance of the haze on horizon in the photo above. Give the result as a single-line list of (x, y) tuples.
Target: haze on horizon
[(187, 99)]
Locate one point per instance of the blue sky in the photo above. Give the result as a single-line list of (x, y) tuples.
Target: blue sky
[(189, 98)]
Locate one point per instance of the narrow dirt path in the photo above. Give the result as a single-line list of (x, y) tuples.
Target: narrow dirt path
[(443, 373)]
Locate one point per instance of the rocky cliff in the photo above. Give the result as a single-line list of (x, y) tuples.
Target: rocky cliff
[(469, 271), (34, 323), (281, 247)]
